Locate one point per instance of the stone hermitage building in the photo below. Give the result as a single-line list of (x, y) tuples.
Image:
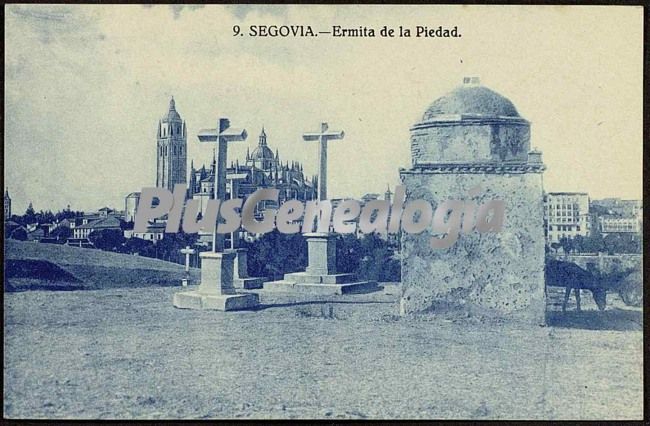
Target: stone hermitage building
[(473, 145)]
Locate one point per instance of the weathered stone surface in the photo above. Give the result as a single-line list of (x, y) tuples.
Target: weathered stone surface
[(241, 280), (321, 249), (470, 140), (321, 288), (216, 290), (498, 274), (306, 277), (241, 263), (219, 302), (248, 283), (217, 273), (321, 278), (466, 144)]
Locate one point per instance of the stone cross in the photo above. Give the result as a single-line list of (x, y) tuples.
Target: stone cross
[(322, 137), (221, 135), (187, 251)]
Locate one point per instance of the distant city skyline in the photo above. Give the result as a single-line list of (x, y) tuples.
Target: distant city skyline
[(85, 87)]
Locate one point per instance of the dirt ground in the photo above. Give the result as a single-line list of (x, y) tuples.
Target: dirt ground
[(128, 353)]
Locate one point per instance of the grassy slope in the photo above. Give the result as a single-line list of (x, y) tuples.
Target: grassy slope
[(30, 265)]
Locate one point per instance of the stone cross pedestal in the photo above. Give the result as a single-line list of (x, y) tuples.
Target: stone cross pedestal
[(321, 277), (216, 290), (240, 276)]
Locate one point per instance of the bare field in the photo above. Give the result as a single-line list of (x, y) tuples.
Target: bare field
[(122, 353)]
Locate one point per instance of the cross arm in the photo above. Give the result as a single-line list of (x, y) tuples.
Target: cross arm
[(234, 134), (208, 135), (327, 135), (230, 135)]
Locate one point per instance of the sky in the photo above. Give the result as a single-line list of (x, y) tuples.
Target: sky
[(85, 86)]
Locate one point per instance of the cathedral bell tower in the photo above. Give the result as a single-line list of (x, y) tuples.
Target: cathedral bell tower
[(171, 150)]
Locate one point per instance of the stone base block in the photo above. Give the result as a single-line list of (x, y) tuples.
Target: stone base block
[(307, 278), (219, 302), (248, 283), (321, 289)]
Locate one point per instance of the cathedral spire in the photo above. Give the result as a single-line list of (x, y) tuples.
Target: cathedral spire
[(388, 193), (262, 141)]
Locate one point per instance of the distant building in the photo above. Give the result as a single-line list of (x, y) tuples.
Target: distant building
[(262, 169), (7, 211), (155, 232), (619, 207), (130, 206), (566, 215), (15, 230), (171, 154), (107, 222), (36, 234), (614, 224), (106, 211)]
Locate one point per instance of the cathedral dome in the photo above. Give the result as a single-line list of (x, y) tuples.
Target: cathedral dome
[(262, 152), (471, 99)]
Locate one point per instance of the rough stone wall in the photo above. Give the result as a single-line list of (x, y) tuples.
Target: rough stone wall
[(470, 142), (451, 144), (492, 274)]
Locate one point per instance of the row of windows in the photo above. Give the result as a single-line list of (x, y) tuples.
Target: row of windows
[(163, 150), (563, 220), (171, 133), (564, 228), (564, 214), (149, 236)]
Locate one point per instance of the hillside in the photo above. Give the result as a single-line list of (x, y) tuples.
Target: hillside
[(35, 266)]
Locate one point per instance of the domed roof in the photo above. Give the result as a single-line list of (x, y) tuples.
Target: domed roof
[(172, 115), (472, 99), (262, 152)]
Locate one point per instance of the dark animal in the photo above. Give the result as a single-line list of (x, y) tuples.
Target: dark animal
[(573, 277)]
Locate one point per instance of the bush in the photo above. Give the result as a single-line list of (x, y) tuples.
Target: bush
[(275, 254), (370, 257)]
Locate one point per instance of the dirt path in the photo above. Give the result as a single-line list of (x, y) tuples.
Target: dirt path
[(125, 353)]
